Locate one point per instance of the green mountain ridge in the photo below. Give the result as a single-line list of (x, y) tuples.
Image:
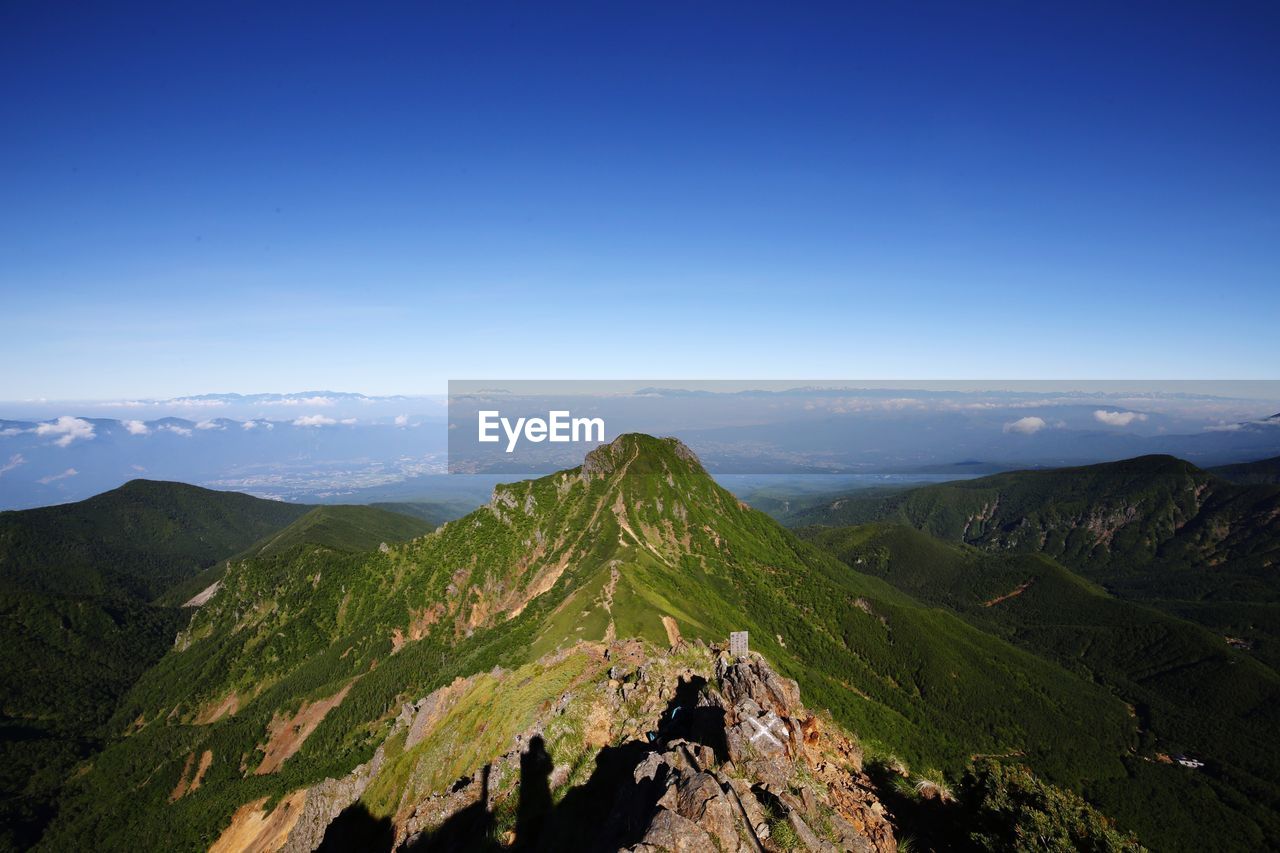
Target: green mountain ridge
[(637, 542), (1190, 690), (1260, 472), (1153, 529), (88, 601)]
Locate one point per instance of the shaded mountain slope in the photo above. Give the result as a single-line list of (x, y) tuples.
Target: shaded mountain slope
[(138, 539), (1153, 529), (294, 670), (1261, 472), (76, 624), (1190, 690)]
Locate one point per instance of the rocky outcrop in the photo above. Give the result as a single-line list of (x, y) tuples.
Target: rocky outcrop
[(774, 764), (697, 751)]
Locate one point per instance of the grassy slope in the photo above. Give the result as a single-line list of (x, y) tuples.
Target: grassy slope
[(647, 534), (1191, 691), (343, 528)]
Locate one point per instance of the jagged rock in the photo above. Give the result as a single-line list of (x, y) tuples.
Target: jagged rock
[(701, 801), (668, 831), (751, 678)]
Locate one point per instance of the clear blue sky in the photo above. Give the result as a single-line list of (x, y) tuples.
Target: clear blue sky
[(248, 196)]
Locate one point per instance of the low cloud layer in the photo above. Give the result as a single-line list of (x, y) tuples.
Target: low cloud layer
[(14, 461), (314, 421), (1117, 419), (136, 427), (66, 429), (1026, 426)]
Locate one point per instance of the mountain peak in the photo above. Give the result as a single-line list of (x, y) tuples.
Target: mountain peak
[(630, 448)]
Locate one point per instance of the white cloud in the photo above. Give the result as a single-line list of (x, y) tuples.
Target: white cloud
[(136, 427), (248, 425), (176, 430), (206, 424), (67, 429), (137, 468), (348, 421), (7, 431), (1029, 425), (70, 472), (14, 461), (313, 421), (1118, 419), (402, 420)]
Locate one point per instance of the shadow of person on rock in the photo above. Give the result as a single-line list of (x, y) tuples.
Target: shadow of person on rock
[(685, 718), (470, 830), (535, 793), (610, 810), (356, 829)]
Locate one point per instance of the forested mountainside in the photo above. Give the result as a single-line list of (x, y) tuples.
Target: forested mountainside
[(298, 667), (89, 599)]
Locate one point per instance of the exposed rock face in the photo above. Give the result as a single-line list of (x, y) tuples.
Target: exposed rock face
[(777, 765)]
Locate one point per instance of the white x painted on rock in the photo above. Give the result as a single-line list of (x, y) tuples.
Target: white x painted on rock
[(765, 729)]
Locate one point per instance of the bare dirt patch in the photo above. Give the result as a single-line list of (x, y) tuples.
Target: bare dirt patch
[(187, 785), (202, 597), (1014, 593), (253, 830), (287, 734), (673, 630), (212, 713), (181, 788), (206, 759)]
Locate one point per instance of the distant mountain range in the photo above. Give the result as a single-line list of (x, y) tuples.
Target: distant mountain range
[(330, 447), (1092, 624)]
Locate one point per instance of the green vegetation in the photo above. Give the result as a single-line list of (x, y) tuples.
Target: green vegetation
[(1008, 809), (1154, 529), (343, 528), (638, 533), (1261, 472), (137, 540), (434, 513), (1189, 690), (938, 652), (77, 626)]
